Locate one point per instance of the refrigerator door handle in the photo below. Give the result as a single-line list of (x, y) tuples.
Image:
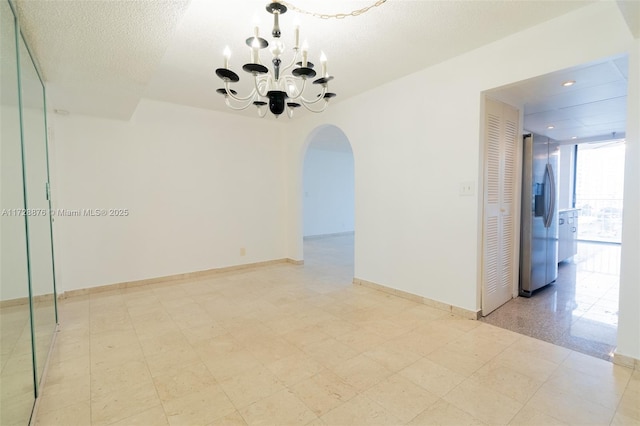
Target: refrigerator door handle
[(552, 196)]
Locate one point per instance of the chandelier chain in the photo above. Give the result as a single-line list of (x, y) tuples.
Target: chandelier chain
[(356, 12)]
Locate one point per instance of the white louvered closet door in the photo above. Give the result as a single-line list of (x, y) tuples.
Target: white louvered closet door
[(499, 231)]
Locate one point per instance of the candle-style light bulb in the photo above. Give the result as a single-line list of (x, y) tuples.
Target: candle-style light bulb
[(227, 55), (255, 45), (296, 45), (323, 61), (305, 54)]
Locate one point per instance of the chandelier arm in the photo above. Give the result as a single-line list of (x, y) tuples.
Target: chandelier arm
[(289, 79), (238, 98), (320, 97), (237, 108), (304, 104), (264, 82), (293, 60)]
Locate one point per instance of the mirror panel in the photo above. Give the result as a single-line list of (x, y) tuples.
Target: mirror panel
[(35, 163), (16, 375)]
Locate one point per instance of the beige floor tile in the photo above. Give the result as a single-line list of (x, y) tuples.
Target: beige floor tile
[(250, 386), (621, 420), (215, 347), (461, 358), (596, 367), (401, 397), (63, 371), (154, 416), (323, 392), (432, 376), (17, 409), (16, 384), (569, 407), (170, 362), (630, 402), (281, 408), (456, 322), (226, 365), (384, 327), (107, 323), (111, 349), (199, 408), (359, 411), (78, 414), (266, 344), (392, 357), (604, 390), (64, 351), (63, 394), (330, 352), (306, 335), (361, 372), (202, 332), (421, 342), (361, 340), (416, 315), (529, 416), (295, 368), (123, 403), (485, 404), (190, 378), (443, 413), (268, 350), (164, 343), (541, 349), (233, 419), (506, 380), (117, 378), (531, 364), (498, 336), (337, 327)]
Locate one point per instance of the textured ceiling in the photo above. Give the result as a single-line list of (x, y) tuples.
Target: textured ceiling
[(97, 57), (100, 57), (594, 108)]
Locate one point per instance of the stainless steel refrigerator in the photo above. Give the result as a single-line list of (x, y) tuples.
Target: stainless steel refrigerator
[(539, 224)]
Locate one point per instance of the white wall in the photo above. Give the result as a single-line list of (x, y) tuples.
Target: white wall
[(328, 191), (629, 314), (416, 138), (198, 185)]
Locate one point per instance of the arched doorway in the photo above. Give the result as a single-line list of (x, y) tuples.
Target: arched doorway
[(328, 203)]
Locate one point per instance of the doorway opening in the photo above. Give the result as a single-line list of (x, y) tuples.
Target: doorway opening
[(328, 206), (579, 310)]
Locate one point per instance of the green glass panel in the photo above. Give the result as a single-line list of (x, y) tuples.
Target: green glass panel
[(34, 139), (17, 375)]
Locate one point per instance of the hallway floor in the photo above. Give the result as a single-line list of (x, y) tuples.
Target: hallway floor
[(579, 311), (302, 345)]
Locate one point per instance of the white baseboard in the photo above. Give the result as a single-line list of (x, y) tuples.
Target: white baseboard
[(465, 313)]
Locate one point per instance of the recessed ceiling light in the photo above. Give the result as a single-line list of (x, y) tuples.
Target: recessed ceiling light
[(551, 126), (574, 137), (569, 83)]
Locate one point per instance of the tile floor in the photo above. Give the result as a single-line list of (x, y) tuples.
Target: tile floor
[(296, 345), (579, 311)]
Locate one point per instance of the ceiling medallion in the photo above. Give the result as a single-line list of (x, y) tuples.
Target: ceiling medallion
[(282, 87)]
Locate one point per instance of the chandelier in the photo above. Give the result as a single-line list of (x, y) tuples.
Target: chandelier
[(282, 87)]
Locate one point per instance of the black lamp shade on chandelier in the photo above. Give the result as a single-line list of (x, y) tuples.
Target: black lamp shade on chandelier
[(276, 88)]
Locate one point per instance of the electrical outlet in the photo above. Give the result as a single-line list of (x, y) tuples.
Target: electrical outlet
[(243, 251), (466, 188)]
